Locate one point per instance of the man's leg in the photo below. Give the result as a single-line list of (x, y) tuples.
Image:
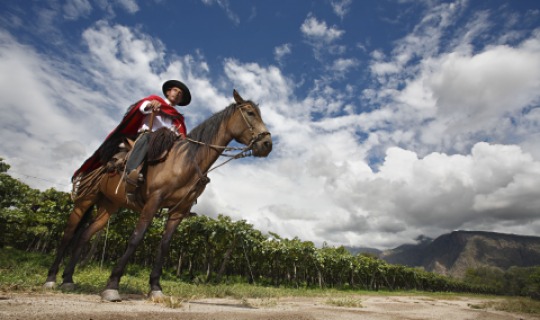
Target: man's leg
[(133, 163)]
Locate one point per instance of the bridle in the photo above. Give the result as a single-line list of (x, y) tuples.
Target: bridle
[(245, 151), (254, 138)]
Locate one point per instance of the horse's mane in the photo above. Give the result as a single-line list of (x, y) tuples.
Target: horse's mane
[(160, 141)]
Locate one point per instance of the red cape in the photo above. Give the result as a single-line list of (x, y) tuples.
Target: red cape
[(129, 126)]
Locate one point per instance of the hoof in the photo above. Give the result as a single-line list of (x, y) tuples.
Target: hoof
[(157, 296), (49, 285), (67, 286), (110, 295)]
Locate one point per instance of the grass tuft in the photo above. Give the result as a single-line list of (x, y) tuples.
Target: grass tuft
[(172, 303), (345, 302), (518, 304), (510, 304)]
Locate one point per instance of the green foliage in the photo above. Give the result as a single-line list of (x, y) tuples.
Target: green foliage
[(488, 277), (4, 167), (534, 283), (216, 251), (29, 219), (21, 270), (514, 281)]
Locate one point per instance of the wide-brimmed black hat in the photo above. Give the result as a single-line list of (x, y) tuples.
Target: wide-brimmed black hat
[(186, 95)]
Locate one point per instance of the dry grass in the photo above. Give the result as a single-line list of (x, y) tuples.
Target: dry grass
[(345, 302), (511, 304)]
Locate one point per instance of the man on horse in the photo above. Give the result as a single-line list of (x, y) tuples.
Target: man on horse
[(147, 115)]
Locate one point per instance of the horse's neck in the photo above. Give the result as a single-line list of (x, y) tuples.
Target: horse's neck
[(208, 151), (208, 155)]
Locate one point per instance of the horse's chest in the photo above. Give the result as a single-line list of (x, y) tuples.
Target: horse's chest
[(186, 196)]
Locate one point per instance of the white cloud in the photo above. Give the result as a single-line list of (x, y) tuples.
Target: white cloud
[(263, 84), (319, 31), (74, 9), (130, 6), (489, 84), (343, 65), (226, 6), (383, 68), (51, 112), (341, 8), (479, 94), (453, 92), (119, 55), (281, 51)]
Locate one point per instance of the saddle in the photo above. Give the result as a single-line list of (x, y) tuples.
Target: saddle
[(117, 163), (160, 144)]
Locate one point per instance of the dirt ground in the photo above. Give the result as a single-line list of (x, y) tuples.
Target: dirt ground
[(76, 306)]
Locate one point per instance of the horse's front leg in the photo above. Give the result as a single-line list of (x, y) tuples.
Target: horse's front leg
[(163, 251), (147, 214)]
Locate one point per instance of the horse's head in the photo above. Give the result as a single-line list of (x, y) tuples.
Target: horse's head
[(248, 128)]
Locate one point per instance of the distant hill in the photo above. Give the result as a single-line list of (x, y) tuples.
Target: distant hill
[(452, 254), (357, 250)]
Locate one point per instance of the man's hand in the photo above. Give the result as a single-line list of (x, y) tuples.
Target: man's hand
[(155, 105)]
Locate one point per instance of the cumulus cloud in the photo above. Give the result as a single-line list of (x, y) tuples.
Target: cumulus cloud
[(321, 37), (319, 31), (342, 65), (446, 136), (55, 111), (130, 6), (480, 95), (489, 85), (456, 93)]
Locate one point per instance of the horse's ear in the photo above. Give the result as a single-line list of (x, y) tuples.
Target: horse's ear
[(237, 97)]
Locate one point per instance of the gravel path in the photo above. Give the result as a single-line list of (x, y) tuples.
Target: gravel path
[(77, 306)]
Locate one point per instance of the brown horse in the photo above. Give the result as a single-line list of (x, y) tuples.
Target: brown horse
[(174, 183)]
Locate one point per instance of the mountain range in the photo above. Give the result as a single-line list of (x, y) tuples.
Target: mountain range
[(453, 253)]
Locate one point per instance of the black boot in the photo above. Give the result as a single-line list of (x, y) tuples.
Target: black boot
[(134, 180)]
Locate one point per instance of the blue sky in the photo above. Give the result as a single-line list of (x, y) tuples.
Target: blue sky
[(391, 119)]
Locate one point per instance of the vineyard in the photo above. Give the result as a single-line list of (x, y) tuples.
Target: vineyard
[(206, 250)]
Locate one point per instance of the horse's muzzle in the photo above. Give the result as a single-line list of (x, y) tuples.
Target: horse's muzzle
[(262, 145)]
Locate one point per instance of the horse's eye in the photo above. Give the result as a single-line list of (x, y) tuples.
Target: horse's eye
[(251, 113)]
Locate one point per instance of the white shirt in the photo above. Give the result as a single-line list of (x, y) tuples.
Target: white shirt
[(160, 120)]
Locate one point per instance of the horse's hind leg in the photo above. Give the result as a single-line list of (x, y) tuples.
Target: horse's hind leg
[(81, 210), (105, 209)]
